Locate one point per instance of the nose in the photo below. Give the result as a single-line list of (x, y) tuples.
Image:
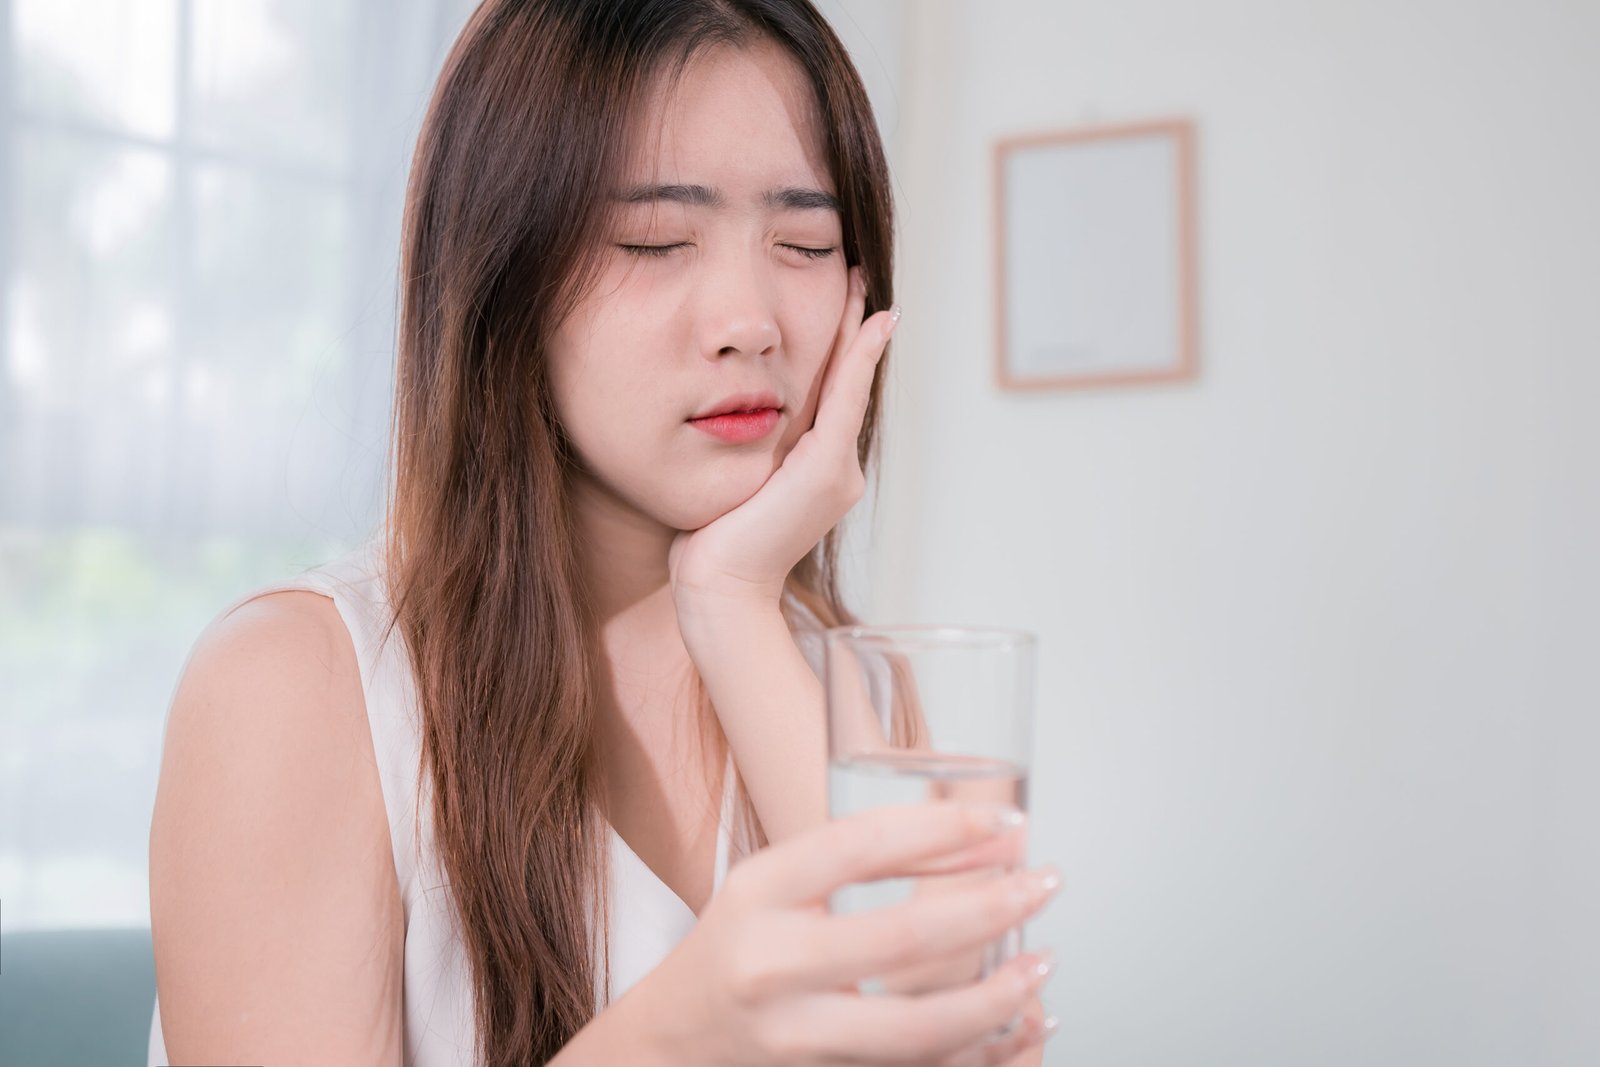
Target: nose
[(738, 309)]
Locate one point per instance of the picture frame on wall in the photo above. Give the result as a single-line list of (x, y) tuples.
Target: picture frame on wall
[(1095, 256)]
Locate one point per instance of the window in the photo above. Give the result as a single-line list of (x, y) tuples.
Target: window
[(197, 282)]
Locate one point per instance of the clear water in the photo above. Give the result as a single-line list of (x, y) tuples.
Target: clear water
[(864, 782)]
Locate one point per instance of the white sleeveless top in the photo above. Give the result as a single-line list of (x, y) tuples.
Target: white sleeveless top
[(647, 918)]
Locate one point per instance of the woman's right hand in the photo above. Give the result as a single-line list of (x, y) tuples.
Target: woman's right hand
[(768, 975)]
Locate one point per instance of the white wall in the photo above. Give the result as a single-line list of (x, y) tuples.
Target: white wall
[(1317, 728), (875, 33)]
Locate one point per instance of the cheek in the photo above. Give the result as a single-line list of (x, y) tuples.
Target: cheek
[(567, 375), (585, 392), (817, 323)]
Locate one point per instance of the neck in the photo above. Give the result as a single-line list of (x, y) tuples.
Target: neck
[(624, 557), (647, 726)]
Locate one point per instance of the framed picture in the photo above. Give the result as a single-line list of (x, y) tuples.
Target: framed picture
[(1095, 256)]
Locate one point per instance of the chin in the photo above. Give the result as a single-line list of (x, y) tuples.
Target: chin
[(716, 496)]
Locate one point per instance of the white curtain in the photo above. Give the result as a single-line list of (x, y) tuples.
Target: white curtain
[(201, 203)]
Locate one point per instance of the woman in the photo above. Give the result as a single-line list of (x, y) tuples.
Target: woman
[(453, 798)]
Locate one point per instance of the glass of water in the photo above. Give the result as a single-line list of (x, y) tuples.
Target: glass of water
[(925, 713)]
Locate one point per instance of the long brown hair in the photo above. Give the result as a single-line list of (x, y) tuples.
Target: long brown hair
[(508, 194)]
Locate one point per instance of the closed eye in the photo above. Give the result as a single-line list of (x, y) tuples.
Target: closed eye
[(651, 250), (813, 253), (658, 251)]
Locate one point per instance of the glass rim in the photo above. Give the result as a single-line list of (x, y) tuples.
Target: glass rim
[(933, 635)]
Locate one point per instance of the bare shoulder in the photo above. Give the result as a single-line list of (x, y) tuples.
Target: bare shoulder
[(285, 644), (270, 698), (274, 905)]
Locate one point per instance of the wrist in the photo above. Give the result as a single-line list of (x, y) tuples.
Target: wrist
[(628, 1030), (653, 1017), (710, 622)]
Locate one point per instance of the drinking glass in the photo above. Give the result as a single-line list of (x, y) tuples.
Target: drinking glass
[(923, 713)]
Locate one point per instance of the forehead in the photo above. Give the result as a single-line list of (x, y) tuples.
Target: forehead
[(737, 116)]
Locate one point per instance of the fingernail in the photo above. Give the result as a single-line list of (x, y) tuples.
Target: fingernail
[(992, 818), (1029, 889), (1007, 820), (1034, 974)]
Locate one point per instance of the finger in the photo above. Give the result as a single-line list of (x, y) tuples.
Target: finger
[(932, 969), (1004, 851), (855, 305), (872, 844), (941, 972), (929, 929), (890, 1028), (1027, 1035), (840, 413), (1001, 1051)]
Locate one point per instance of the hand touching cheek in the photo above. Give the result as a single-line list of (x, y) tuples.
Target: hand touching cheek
[(740, 560)]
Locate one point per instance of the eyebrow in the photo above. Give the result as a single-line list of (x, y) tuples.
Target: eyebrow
[(787, 199)]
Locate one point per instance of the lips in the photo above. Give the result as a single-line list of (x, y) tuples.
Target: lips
[(740, 419), (740, 403)]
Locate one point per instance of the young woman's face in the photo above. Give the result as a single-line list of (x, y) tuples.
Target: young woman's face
[(724, 276)]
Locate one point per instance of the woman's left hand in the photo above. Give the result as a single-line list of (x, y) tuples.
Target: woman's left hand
[(740, 560)]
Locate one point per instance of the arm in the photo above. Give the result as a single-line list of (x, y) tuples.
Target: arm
[(772, 710), (728, 579), (621, 1034), (274, 905)]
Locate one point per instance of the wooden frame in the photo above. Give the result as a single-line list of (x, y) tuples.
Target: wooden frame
[(1135, 292)]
